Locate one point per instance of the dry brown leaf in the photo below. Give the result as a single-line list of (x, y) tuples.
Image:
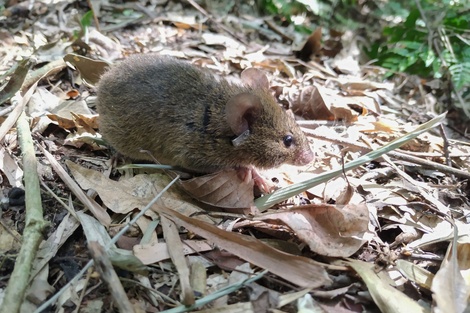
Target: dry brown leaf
[(310, 105), (298, 270), (42, 102), (319, 103), (327, 229), (224, 189), (10, 240), (71, 114), (40, 289), (364, 104), (354, 84), (311, 46), (90, 70), (381, 125), (387, 298), (87, 123), (338, 189)]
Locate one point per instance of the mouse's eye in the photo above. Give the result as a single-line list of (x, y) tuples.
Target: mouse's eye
[(288, 140)]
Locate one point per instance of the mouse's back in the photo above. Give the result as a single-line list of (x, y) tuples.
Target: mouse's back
[(160, 104), (186, 117)]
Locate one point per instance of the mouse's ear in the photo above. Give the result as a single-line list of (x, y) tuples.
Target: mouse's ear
[(255, 78), (241, 111)]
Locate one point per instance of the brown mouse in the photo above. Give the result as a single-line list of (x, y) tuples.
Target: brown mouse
[(188, 118)]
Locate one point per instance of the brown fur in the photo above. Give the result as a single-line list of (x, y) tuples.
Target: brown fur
[(177, 112)]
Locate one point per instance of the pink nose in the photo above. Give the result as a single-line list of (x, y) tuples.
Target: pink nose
[(306, 156)]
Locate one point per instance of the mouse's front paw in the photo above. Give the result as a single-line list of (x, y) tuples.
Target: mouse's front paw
[(251, 173)]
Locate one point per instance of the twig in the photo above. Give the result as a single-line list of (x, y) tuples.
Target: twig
[(35, 223), (95, 18)]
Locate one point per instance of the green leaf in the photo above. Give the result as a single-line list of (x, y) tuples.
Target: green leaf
[(412, 18), (460, 74), (429, 58), (87, 19)]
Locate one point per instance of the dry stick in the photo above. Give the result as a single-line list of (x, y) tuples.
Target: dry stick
[(35, 224), (95, 18), (397, 155), (108, 275), (206, 14)]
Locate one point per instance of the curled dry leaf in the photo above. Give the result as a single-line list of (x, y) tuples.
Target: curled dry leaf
[(10, 169), (71, 114), (318, 103), (328, 230), (311, 46), (452, 279), (223, 189)]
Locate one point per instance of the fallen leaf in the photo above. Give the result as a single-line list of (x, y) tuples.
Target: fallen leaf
[(175, 248), (9, 167), (90, 70), (311, 46), (450, 289), (96, 209), (223, 189)]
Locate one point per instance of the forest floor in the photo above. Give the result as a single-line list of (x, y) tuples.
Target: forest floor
[(389, 234)]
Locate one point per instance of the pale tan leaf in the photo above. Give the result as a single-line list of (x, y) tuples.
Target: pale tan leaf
[(91, 70), (175, 248), (156, 252), (9, 167), (450, 290), (415, 273)]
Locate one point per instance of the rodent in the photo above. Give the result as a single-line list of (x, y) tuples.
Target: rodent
[(188, 118)]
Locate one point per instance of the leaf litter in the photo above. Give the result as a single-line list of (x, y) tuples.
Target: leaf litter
[(393, 218)]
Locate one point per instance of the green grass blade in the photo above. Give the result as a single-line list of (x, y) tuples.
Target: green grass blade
[(280, 195)]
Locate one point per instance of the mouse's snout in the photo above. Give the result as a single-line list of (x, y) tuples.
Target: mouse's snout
[(304, 157)]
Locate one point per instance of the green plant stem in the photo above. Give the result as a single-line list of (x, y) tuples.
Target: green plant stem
[(35, 223)]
